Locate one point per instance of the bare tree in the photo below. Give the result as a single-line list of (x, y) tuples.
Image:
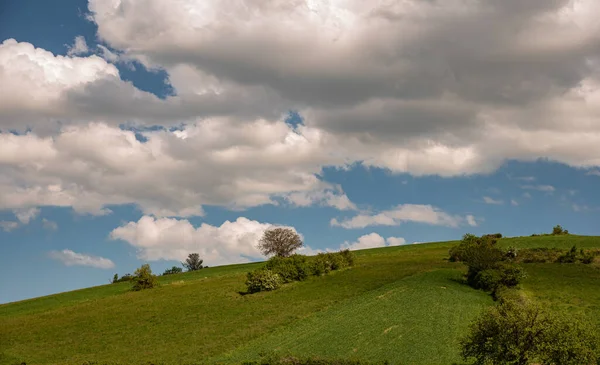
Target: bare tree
[(279, 242), (193, 262)]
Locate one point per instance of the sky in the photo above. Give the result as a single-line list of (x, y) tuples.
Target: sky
[(138, 132)]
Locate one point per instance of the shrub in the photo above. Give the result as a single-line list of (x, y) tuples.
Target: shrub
[(173, 270), (279, 242), (262, 280), (126, 277), (348, 257), (520, 332), (539, 255), (569, 257), (293, 268), (487, 280), (587, 257), (144, 279), (505, 275), (320, 265), (469, 241), (323, 263), (511, 253), (558, 230)]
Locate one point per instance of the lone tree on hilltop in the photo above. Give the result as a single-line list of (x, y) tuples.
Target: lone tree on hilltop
[(280, 242), (193, 262)]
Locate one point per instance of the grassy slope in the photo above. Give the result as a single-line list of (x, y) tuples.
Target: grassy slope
[(200, 316)]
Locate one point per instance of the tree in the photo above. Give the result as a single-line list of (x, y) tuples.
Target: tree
[(173, 270), (144, 279), (115, 278), (557, 230), (280, 242), (521, 332), (193, 262)]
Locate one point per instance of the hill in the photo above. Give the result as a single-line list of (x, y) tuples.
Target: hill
[(405, 304)]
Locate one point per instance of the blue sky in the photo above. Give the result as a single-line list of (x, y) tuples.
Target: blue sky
[(144, 147)]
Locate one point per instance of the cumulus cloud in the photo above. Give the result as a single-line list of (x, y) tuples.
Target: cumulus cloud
[(424, 88), (70, 258), (173, 239), (79, 46), (489, 200), (402, 213), (372, 240)]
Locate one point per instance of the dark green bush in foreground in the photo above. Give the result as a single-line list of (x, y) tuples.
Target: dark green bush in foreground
[(521, 333)]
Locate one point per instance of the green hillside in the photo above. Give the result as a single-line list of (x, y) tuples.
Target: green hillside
[(404, 304)]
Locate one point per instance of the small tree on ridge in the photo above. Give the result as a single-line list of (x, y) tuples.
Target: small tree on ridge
[(280, 242), (193, 262)]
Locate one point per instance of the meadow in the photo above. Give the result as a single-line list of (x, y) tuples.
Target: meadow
[(405, 304)]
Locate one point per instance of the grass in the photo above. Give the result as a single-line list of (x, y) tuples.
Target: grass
[(402, 304), (416, 320)]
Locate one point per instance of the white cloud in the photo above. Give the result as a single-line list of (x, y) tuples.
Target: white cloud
[(70, 258), (513, 202), (545, 188), (372, 240), (336, 199), (49, 225), (26, 215), (402, 213), (526, 195), (174, 239), (471, 220), (489, 200), (79, 46), (395, 241), (8, 226), (407, 98)]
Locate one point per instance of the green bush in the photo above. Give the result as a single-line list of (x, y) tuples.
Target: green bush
[(348, 257), (173, 270), (262, 280), (488, 280), (320, 265), (520, 332), (569, 257), (292, 268), (324, 263), (144, 279), (539, 255), (126, 277)]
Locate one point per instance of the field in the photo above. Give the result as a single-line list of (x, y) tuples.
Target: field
[(404, 304)]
